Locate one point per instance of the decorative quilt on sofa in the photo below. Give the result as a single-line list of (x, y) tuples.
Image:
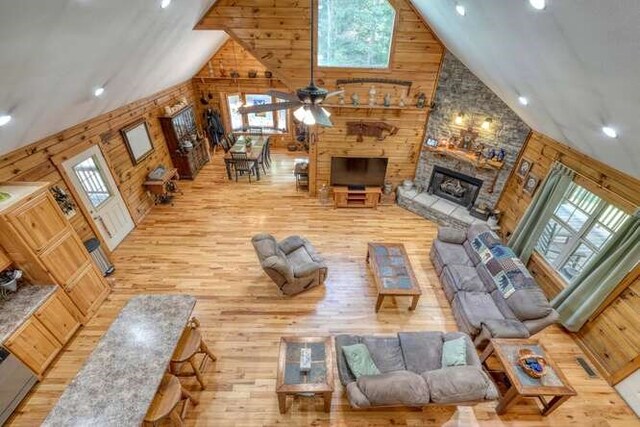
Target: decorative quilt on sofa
[(507, 271)]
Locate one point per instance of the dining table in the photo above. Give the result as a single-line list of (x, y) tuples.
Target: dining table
[(253, 152), (119, 380)]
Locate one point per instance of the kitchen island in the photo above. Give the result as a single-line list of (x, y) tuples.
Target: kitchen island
[(118, 381)]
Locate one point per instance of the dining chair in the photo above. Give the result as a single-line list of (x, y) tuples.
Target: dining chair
[(242, 165), (262, 159), (268, 151)]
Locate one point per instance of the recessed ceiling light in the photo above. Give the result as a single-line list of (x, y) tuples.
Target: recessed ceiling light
[(523, 100), (99, 91), (165, 4), (610, 132), (538, 4), (461, 10), (4, 120)]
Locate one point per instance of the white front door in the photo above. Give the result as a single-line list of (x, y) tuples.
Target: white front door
[(92, 180)]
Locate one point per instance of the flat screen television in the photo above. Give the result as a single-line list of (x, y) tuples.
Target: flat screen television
[(358, 171)]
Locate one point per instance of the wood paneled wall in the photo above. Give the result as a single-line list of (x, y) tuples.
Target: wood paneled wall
[(233, 56), (614, 185), (32, 163), (612, 338), (276, 32)]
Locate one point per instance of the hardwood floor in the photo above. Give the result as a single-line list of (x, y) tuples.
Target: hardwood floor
[(201, 246)]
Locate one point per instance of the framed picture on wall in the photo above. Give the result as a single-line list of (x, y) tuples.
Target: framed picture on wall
[(138, 141), (524, 168), (530, 184)]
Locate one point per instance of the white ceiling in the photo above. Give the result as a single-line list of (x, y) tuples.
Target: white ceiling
[(578, 62), (54, 53)]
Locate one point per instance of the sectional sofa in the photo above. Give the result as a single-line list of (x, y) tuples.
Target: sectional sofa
[(491, 292)]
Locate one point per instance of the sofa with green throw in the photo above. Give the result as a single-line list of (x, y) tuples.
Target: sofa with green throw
[(293, 263), (409, 371), (492, 294)]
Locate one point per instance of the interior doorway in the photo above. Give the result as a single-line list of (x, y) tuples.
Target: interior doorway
[(92, 180)]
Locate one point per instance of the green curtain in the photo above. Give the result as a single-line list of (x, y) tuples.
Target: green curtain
[(526, 234), (578, 301)]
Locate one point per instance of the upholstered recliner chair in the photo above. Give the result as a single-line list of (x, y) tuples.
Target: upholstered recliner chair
[(293, 264)]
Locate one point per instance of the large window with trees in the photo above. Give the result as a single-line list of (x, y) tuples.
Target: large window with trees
[(274, 121), (579, 228), (355, 33)]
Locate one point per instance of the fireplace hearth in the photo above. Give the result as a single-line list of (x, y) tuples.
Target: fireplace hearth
[(454, 186)]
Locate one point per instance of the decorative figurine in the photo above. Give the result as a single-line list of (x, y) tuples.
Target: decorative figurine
[(401, 102), (341, 98), (387, 100), (268, 74), (422, 100), (372, 96), (355, 99), (252, 74), (501, 155)]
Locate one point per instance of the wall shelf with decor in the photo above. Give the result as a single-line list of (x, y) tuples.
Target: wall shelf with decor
[(216, 79), (374, 107)]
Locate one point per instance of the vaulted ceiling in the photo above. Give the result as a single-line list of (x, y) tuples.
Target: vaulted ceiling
[(576, 61), (54, 53)]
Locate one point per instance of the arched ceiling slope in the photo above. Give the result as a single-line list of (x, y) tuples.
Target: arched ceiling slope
[(576, 61), (54, 53)]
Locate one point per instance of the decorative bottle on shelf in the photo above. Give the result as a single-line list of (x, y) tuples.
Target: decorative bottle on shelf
[(401, 102), (387, 100), (355, 99), (372, 96)]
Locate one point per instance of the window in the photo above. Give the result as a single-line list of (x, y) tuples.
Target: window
[(260, 120), (269, 120), (92, 181), (235, 102), (355, 33), (578, 229)]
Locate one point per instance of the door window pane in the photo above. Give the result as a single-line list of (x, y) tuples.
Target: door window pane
[(92, 181), (235, 102), (260, 120)]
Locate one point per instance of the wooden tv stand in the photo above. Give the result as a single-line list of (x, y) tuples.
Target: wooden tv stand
[(345, 198)]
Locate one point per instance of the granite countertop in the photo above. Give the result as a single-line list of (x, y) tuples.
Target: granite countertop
[(118, 381), (20, 305)]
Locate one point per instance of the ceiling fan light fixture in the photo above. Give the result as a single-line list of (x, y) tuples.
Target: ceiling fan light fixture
[(299, 114), (309, 120)]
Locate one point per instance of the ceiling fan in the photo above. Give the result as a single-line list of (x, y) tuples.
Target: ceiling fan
[(306, 100)]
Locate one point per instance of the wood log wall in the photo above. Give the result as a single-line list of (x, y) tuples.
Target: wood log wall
[(612, 338), (276, 32), (32, 163)]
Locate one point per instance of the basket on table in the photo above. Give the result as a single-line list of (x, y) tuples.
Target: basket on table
[(532, 364)]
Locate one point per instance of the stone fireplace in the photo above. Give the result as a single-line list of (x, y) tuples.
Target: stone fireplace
[(454, 186)]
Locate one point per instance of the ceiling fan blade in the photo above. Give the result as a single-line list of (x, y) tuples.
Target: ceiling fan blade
[(334, 93), (263, 108), (322, 119), (283, 95)]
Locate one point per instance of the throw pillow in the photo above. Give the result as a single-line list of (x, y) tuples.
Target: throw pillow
[(454, 352), (359, 360)]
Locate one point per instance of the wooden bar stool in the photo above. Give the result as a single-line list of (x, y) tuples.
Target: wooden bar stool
[(190, 345), (169, 395)]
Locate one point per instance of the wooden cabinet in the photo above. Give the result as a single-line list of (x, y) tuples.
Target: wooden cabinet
[(180, 126), (65, 257), (87, 291), (34, 345), (343, 197), (40, 241), (57, 318), (38, 221), (5, 261)]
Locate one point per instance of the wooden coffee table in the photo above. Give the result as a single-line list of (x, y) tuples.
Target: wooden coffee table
[(317, 381), (552, 390), (392, 272)]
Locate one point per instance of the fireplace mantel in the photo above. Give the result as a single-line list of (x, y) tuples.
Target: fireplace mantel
[(467, 157)]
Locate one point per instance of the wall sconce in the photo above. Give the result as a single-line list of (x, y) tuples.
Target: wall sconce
[(459, 118), (487, 123)]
